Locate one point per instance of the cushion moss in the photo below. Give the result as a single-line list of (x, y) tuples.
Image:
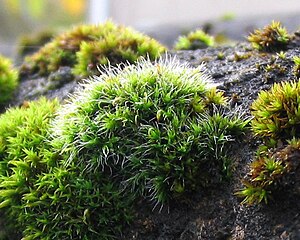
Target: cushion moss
[(23, 147), (276, 111), (87, 46), (144, 126)]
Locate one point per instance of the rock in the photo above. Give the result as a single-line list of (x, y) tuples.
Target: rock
[(213, 213), (59, 84)]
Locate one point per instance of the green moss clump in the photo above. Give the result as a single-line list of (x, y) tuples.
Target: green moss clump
[(23, 146), (276, 120), (87, 46), (69, 203), (277, 112), (152, 130), (8, 80), (273, 171), (151, 127), (194, 40), (120, 46), (271, 38), (42, 199)]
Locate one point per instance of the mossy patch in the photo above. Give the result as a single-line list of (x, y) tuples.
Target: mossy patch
[(23, 147), (274, 170), (276, 112), (197, 39), (272, 37), (87, 46), (276, 121), (152, 126)]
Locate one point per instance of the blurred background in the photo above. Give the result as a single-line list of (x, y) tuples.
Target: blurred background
[(164, 20)]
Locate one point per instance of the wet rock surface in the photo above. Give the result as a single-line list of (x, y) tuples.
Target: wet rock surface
[(215, 212)]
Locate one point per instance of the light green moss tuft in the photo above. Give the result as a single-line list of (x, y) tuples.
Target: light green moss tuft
[(194, 40), (23, 147), (276, 112)]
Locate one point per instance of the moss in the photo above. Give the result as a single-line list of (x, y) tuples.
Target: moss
[(221, 56), (69, 203), (8, 80), (276, 120), (271, 38), (194, 40), (276, 112), (241, 56), (273, 171), (42, 199), (151, 127), (281, 55), (122, 45), (152, 130), (88, 46), (23, 146)]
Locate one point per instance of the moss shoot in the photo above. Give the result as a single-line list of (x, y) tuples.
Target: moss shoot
[(271, 38), (276, 112)]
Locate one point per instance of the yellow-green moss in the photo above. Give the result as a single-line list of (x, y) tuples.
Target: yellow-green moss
[(273, 37), (23, 150), (88, 46), (277, 111), (194, 40)]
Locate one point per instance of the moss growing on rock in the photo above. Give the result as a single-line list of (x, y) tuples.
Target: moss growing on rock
[(194, 40), (277, 111), (272, 172), (271, 38), (69, 203), (94, 45), (154, 130), (8, 80), (151, 127), (276, 120), (42, 199), (23, 147), (119, 46)]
